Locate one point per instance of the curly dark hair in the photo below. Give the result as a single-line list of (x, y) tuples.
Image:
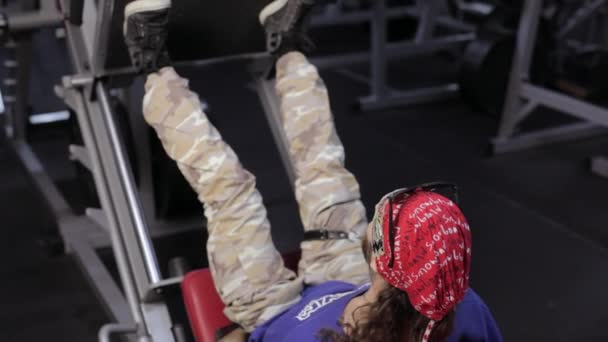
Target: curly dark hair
[(392, 318)]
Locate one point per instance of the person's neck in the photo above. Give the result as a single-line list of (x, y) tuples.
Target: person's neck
[(357, 307), (377, 285)]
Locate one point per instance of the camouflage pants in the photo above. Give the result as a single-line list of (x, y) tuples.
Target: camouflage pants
[(247, 269)]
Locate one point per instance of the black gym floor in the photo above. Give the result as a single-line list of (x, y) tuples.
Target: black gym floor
[(539, 217)]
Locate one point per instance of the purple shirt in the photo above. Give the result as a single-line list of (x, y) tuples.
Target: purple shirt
[(322, 306)]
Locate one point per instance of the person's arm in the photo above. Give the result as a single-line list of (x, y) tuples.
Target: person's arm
[(491, 328), (474, 321)]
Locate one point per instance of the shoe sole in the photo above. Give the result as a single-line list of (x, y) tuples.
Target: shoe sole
[(146, 5), (143, 6), (271, 9)]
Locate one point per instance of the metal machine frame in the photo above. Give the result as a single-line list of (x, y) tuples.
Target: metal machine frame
[(122, 223), (430, 14), (136, 304), (523, 97)]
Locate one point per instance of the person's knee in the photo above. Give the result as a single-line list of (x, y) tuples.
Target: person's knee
[(251, 306), (341, 260)]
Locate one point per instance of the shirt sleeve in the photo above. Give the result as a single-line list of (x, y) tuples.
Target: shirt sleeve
[(474, 322), (492, 333)]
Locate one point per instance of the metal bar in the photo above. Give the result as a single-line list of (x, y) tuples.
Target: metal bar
[(394, 50), (21, 22), (106, 332), (11, 66), (76, 44), (99, 238), (169, 282), (54, 199), (90, 17), (378, 67), (99, 217), (453, 24), (566, 104), (547, 136), (525, 111), (426, 25), (509, 124), (48, 6), (100, 279), (413, 49), (580, 16), (526, 40), (341, 60), (353, 76), (381, 96), (126, 178), (527, 36), (158, 322), (443, 20), (155, 319), (599, 166), (105, 10), (162, 228), (85, 111), (199, 63), (155, 312), (357, 17), (141, 139), (270, 103), (19, 109), (59, 206), (80, 154), (404, 98), (115, 186), (82, 109)]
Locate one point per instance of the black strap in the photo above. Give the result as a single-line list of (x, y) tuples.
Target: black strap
[(323, 234)]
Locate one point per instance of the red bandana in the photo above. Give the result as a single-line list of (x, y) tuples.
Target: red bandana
[(432, 251)]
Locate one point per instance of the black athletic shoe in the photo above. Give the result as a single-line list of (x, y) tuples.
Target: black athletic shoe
[(145, 31), (285, 24)]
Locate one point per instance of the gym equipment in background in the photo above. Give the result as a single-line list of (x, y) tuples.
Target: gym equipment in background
[(564, 64), (436, 30), (524, 97), (487, 60), (126, 221)]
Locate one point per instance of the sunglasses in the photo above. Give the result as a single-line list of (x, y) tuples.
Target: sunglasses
[(448, 190)]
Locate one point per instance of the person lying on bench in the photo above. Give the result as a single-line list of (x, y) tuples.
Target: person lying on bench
[(402, 277)]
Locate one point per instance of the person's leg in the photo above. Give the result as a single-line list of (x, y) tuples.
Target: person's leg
[(247, 270), (327, 193)]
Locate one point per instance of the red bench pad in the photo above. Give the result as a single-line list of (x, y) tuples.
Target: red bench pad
[(203, 304)]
